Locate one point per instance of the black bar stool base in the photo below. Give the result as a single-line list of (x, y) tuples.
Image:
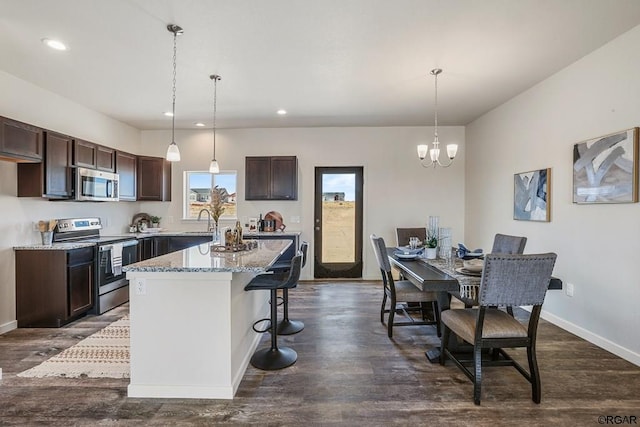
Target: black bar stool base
[(269, 359), (290, 327)]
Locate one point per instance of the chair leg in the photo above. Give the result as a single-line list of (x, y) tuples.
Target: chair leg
[(436, 315), (444, 344), (384, 303), (392, 314), (510, 310), (286, 326), (477, 378), (273, 358), (536, 391)]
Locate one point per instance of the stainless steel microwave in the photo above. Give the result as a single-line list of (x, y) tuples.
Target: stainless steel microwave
[(95, 185)]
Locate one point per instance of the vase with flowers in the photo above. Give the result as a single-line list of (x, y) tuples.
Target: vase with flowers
[(431, 244), (216, 207)]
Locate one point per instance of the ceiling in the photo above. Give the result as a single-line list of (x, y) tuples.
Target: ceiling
[(328, 63)]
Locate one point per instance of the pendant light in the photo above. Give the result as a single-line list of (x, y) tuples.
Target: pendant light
[(434, 153), (173, 153), (214, 167)]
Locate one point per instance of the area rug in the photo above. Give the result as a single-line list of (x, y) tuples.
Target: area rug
[(105, 354)]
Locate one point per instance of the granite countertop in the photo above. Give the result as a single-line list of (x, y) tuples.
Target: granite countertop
[(54, 246), (64, 246), (208, 233), (201, 258)]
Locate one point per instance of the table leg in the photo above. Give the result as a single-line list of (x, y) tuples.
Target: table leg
[(444, 303)]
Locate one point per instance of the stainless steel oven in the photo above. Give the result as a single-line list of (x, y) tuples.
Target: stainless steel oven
[(112, 287)]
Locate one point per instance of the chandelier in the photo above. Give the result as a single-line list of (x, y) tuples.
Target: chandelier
[(173, 153), (434, 153)]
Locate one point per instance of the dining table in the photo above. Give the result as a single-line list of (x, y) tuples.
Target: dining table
[(446, 279)]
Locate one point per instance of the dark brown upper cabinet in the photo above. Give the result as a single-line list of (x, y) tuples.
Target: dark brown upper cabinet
[(84, 154), (126, 166), (20, 142), (271, 178), (52, 177), (154, 179), (93, 156), (105, 158)]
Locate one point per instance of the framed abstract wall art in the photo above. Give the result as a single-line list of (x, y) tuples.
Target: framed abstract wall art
[(605, 169), (532, 195)]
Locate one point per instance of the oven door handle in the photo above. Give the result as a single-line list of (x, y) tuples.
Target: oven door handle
[(124, 245)]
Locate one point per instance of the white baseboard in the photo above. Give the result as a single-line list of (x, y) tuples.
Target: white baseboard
[(592, 338), (9, 326)]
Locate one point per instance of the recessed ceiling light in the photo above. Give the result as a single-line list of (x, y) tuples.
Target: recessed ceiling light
[(200, 125), (168, 113), (54, 44), (282, 112)]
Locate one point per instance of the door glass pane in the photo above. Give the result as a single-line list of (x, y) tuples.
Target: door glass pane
[(338, 217)]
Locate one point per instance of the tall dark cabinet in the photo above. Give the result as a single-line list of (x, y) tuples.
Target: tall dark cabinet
[(154, 179), (126, 167), (271, 178)]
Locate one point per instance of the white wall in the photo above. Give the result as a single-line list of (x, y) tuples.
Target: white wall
[(397, 190), (28, 103), (597, 245)]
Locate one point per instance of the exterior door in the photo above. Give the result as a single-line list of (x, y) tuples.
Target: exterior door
[(338, 222)]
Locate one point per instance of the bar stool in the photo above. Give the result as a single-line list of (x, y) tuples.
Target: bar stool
[(270, 359), (286, 326)]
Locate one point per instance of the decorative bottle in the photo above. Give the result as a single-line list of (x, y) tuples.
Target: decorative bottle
[(238, 233)]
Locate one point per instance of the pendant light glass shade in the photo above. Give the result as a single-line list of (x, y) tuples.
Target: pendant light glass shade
[(213, 166), (173, 152)]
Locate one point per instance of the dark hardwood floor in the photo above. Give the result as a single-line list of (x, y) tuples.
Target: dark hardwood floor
[(348, 373)]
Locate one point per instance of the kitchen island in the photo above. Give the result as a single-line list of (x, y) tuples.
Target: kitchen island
[(191, 320)]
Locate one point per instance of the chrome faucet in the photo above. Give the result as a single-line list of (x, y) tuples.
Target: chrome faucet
[(209, 228)]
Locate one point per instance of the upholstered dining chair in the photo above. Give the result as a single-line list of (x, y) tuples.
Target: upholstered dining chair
[(400, 291), (505, 244), (507, 279), (502, 244)]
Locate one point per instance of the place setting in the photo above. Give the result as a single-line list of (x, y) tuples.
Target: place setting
[(412, 251)]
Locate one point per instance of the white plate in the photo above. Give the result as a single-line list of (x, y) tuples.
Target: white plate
[(406, 256), (473, 255), (466, 272)]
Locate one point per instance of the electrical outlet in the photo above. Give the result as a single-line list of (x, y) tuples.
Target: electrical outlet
[(169, 220), (295, 219), (569, 289), (141, 286)]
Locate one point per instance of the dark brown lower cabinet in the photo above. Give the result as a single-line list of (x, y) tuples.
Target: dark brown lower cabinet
[(53, 287)]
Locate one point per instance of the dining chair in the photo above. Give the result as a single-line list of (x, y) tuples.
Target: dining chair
[(505, 244), (502, 244), (401, 291), (507, 279), (403, 235)]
